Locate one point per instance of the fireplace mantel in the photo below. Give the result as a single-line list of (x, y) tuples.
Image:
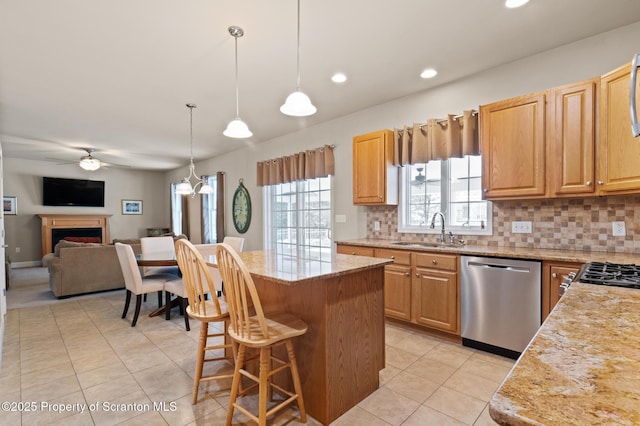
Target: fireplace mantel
[(57, 221)]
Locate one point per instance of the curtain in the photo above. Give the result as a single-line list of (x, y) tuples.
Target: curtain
[(455, 136), (308, 164)]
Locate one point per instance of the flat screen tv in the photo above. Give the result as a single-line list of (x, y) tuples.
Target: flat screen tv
[(72, 192)]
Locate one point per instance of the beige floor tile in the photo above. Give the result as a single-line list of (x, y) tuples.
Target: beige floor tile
[(182, 412), (399, 358), (416, 344), (461, 407), (394, 334), (358, 416), (164, 382), (472, 385), (485, 419), (496, 359), (425, 416), (103, 374), (448, 354), (388, 373), (112, 389), (91, 361), (433, 370), (389, 406), (489, 370), (46, 375), (55, 410), (141, 357), (412, 386), (146, 419), (117, 409)]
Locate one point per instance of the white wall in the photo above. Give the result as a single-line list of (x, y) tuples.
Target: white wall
[(23, 179), (571, 63)]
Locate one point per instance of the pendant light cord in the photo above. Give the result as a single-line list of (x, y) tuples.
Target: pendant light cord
[(298, 52), (237, 91)]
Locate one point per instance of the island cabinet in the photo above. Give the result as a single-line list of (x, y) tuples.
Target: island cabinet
[(354, 250), (541, 145), (618, 151), (375, 178), (553, 275)]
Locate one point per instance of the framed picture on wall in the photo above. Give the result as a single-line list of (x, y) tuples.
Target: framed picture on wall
[(131, 206), (10, 205)]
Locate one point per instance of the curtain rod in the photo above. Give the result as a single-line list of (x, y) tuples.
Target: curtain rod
[(455, 117), (332, 147)]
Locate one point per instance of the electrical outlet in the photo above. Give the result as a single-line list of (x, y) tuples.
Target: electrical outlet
[(522, 227), (618, 229), (341, 218), (17, 249), (376, 225)]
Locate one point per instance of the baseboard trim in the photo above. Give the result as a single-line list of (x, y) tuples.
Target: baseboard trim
[(29, 264)]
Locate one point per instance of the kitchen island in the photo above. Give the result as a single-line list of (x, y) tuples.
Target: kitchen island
[(341, 298), (583, 365)]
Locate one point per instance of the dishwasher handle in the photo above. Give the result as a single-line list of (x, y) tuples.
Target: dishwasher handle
[(500, 267)]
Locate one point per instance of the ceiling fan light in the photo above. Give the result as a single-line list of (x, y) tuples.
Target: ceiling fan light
[(298, 105), (183, 188), (90, 163), (237, 129)]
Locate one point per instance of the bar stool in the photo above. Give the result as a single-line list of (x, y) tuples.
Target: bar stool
[(198, 284), (258, 332)]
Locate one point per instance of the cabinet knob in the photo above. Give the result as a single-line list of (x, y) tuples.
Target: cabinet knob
[(600, 182), (554, 275), (353, 252), (406, 274), (380, 196), (435, 262), (485, 190), (393, 257), (417, 275), (588, 183)]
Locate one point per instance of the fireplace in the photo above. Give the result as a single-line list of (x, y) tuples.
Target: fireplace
[(57, 227)]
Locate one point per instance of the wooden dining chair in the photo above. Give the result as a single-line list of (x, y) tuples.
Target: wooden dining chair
[(135, 283), (250, 327), (198, 283)]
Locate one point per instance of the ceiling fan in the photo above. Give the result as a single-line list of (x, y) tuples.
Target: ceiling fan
[(89, 162)]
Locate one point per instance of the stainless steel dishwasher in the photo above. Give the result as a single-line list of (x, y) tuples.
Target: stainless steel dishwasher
[(500, 303)]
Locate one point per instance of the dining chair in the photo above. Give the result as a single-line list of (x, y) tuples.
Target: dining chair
[(158, 246), (210, 250), (250, 327), (198, 284), (135, 283), (237, 243), (179, 289)]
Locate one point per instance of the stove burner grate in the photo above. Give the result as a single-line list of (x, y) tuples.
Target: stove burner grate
[(605, 273)]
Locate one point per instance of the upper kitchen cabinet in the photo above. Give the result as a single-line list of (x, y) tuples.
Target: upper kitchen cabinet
[(375, 178), (618, 151), (512, 137), (572, 139)]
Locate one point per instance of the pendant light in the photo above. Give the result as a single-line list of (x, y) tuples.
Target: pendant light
[(298, 104), (237, 128), (185, 187)]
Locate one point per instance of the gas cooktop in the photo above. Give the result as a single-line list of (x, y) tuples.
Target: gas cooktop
[(613, 274)]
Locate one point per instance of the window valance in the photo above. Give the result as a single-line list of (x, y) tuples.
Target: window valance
[(455, 136), (308, 164)]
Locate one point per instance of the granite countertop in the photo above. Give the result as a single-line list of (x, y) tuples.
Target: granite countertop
[(292, 269), (583, 365), (576, 256)]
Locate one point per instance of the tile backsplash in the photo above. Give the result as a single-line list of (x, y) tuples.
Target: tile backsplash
[(566, 224)]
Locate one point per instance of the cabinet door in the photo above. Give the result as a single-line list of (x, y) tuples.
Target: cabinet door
[(572, 140), (513, 135), (435, 300), (397, 292), (554, 274), (375, 180), (618, 150)]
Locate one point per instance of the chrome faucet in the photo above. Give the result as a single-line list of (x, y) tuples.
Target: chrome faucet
[(433, 225)]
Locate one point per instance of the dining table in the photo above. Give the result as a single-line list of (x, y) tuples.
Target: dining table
[(159, 259), (341, 299)]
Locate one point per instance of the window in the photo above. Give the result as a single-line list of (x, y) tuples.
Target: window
[(176, 210), (298, 218), (453, 187), (210, 212)]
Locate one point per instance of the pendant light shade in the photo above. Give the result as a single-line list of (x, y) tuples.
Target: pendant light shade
[(237, 128), (298, 104), (185, 187)]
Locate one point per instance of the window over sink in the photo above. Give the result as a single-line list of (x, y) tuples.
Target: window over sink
[(452, 187)]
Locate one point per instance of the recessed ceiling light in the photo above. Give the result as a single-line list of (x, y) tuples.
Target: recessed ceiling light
[(339, 78), (511, 4), (428, 73)]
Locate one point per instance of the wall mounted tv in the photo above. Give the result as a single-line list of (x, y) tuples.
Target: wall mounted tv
[(72, 192)]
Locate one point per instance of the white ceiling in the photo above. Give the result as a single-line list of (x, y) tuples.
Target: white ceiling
[(115, 75)]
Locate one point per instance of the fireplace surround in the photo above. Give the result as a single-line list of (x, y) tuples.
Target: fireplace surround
[(84, 226)]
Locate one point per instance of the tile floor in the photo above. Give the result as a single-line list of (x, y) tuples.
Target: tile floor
[(81, 352)]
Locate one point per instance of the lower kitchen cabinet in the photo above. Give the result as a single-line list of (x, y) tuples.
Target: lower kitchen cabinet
[(397, 283), (436, 292), (355, 250), (553, 275)]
